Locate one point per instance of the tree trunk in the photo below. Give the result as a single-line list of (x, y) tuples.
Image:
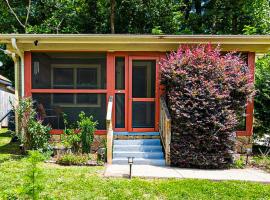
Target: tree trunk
[(112, 15)]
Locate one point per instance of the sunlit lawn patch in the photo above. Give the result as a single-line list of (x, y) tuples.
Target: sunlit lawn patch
[(75, 182)]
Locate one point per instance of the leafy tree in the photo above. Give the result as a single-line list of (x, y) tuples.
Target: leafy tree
[(262, 98), (257, 14)]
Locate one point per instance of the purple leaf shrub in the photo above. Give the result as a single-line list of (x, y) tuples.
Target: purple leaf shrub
[(204, 91)]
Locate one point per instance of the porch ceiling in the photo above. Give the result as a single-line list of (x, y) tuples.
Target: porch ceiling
[(124, 42)]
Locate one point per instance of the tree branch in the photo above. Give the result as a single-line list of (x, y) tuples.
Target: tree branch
[(12, 11), (28, 12)]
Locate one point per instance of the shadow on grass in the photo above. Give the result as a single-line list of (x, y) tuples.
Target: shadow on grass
[(9, 150)]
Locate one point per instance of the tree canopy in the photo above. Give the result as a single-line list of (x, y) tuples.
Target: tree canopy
[(136, 16)]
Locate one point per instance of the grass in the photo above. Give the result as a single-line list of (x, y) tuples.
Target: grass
[(88, 183)]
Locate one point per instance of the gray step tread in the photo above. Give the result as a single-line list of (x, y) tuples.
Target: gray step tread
[(136, 133), (139, 147), (140, 161), (138, 142), (138, 154)]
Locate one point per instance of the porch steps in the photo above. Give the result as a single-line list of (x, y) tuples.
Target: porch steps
[(144, 151)]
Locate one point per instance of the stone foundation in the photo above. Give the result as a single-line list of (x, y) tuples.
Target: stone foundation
[(55, 138), (97, 143), (243, 143)]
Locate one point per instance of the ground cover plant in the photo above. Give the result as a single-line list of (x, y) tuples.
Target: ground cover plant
[(80, 182), (205, 90)]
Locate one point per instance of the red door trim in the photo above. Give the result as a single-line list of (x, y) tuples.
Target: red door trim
[(125, 91), (156, 99)]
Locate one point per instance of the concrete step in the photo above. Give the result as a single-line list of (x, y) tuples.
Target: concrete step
[(152, 142), (140, 161), (138, 154), (136, 133), (143, 148)]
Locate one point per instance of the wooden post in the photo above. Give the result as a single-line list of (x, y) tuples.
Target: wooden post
[(109, 130)]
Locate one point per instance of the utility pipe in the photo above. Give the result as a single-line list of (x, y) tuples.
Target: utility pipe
[(20, 54)]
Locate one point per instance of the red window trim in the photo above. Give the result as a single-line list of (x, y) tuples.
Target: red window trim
[(29, 90)]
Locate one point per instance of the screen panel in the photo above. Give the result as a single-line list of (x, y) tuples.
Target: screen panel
[(50, 108)]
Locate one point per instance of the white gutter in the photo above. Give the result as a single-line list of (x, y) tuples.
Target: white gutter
[(15, 47)]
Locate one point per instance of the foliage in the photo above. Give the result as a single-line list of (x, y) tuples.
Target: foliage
[(205, 91), (71, 137), (137, 16), (33, 178), (239, 163), (74, 159), (26, 114), (263, 160), (262, 98), (87, 129), (79, 137), (32, 133), (40, 135), (258, 17)]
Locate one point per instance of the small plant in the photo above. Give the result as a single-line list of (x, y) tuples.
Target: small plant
[(26, 114), (71, 138), (39, 135), (33, 178), (74, 159), (32, 133), (79, 137), (87, 129), (239, 163), (263, 160)]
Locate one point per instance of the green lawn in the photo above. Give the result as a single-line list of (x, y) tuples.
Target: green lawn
[(88, 183)]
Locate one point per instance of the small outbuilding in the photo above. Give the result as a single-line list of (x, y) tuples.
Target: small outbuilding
[(6, 99)]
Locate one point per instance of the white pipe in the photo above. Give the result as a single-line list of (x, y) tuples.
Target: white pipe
[(15, 47)]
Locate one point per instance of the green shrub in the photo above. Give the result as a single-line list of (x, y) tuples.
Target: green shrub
[(79, 137), (71, 138), (74, 159), (87, 129), (26, 114), (32, 133), (39, 135)]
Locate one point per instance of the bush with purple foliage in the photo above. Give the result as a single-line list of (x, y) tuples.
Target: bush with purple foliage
[(205, 90)]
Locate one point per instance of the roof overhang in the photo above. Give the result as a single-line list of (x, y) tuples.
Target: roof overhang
[(124, 42)]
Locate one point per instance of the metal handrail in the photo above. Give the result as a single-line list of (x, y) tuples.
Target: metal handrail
[(5, 116)]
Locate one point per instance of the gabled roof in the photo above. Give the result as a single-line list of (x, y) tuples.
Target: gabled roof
[(5, 81), (129, 42)]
